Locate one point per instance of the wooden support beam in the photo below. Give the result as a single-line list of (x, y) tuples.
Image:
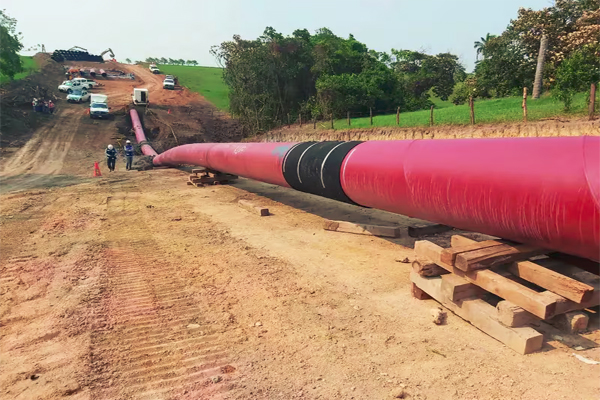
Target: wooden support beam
[(248, 205), (418, 293), (449, 254), (361, 229), (539, 304), (198, 170), (456, 288), (425, 267), (512, 315), (551, 275), (420, 230), (495, 255), (571, 322), (482, 315)]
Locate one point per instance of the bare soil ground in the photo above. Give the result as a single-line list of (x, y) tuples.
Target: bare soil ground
[(136, 286)]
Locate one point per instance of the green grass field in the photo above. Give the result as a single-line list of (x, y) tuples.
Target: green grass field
[(29, 67), (208, 81), (486, 111)]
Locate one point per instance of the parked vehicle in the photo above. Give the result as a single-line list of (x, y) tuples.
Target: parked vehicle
[(169, 84), (70, 86), (78, 96), (88, 83), (154, 69), (140, 96), (99, 106)]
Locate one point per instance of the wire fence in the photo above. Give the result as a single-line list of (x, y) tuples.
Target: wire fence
[(340, 120)]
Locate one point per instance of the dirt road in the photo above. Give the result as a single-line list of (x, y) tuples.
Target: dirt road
[(136, 286)]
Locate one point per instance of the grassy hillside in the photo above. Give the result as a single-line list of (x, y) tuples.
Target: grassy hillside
[(207, 81), (486, 111), (29, 67)]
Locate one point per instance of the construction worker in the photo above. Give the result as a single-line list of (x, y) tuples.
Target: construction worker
[(51, 106), (111, 157), (34, 104), (128, 154)]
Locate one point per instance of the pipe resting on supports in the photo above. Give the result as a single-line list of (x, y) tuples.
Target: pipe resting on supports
[(540, 191)]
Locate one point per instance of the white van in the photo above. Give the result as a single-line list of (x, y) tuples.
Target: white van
[(99, 106), (140, 96)]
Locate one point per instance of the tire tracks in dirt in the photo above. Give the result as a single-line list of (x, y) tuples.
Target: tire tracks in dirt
[(149, 340)]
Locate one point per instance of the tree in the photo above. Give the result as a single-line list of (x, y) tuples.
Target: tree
[(481, 44), (576, 73), (128, 60), (162, 60), (10, 45), (539, 70)]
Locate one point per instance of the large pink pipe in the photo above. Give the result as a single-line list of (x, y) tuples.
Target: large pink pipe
[(540, 191), (139, 134)]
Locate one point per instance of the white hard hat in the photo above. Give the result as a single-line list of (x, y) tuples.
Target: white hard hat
[(110, 146), (129, 141)]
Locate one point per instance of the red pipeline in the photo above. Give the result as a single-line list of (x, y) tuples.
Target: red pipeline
[(540, 191)]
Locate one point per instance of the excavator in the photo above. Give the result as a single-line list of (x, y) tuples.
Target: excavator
[(110, 53)]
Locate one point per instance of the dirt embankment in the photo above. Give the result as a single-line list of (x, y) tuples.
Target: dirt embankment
[(18, 121), (532, 129)]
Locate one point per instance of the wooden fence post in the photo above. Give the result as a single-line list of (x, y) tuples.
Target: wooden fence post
[(314, 122), (398, 116), (289, 123), (524, 106), (348, 117), (332, 121), (472, 110), (300, 118), (431, 117), (592, 106), (371, 114)]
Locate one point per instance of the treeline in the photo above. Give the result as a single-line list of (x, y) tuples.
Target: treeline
[(10, 45), (323, 74), (319, 75), (170, 61), (507, 63)]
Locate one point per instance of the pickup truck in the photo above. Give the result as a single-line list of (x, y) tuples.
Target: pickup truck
[(78, 96), (99, 110), (169, 84), (88, 83), (154, 69)]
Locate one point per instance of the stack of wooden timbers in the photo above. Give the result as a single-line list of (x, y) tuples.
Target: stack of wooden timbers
[(204, 176), (512, 292)]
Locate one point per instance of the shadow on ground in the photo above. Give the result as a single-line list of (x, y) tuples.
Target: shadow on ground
[(14, 183)]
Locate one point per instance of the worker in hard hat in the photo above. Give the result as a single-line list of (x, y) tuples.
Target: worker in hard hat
[(111, 157), (128, 154)]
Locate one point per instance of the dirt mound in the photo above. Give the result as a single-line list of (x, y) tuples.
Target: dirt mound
[(18, 119), (531, 129)]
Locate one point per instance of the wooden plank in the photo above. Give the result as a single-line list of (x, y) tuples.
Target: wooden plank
[(553, 279), (425, 267), (456, 288), (427, 229), (495, 255), (539, 304), (571, 322), (555, 282), (361, 229), (482, 315), (198, 170), (247, 205), (418, 293), (512, 315), (449, 254)]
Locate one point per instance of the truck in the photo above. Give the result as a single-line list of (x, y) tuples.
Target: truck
[(140, 96), (169, 84), (87, 83), (99, 106), (154, 69)]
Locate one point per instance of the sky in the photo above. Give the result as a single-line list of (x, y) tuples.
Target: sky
[(188, 28)]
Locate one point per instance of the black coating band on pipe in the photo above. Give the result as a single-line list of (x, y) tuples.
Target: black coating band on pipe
[(314, 167)]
